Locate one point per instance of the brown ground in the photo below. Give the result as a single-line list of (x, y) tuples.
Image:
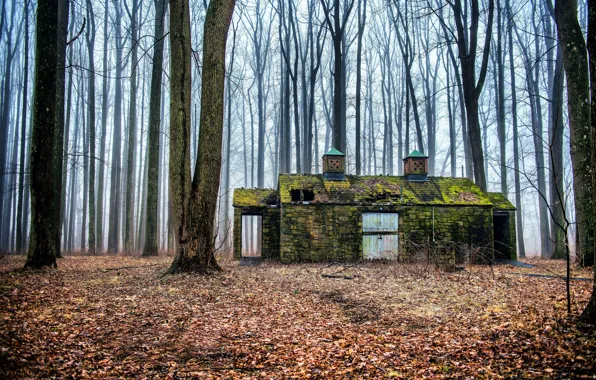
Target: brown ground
[(88, 319)]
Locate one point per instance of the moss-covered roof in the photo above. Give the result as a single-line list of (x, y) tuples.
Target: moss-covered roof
[(254, 197), (385, 189), (500, 202)]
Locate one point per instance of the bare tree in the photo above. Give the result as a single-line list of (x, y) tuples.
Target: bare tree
[(337, 28), (467, 43)]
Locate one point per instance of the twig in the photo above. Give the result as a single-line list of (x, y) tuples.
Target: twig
[(78, 34)]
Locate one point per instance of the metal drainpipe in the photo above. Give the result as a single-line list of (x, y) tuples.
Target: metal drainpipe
[(433, 224)]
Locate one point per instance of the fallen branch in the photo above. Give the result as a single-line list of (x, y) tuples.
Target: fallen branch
[(551, 276), (130, 267), (335, 276)]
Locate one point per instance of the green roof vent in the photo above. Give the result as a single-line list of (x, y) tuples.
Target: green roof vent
[(334, 165)]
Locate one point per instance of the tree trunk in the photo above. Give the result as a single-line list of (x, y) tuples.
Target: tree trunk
[(129, 208), (575, 62), (361, 25), (90, 38), (199, 206), (153, 148), (63, 8), (521, 248), (467, 43), (589, 313), (104, 129), (557, 192), (116, 170), (501, 129), (19, 223), (43, 246), (4, 128)]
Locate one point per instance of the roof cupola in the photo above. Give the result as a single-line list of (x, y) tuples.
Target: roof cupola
[(416, 167), (334, 165)]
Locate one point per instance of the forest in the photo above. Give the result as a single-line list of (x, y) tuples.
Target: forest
[(126, 125)]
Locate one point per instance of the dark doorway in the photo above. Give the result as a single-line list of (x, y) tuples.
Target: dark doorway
[(503, 243)]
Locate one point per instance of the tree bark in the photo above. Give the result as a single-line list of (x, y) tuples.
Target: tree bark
[(589, 314), (19, 223), (104, 129), (129, 225), (575, 62), (116, 170), (199, 206), (43, 245), (153, 148), (90, 39), (467, 43)]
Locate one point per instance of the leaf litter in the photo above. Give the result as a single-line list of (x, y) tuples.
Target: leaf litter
[(119, 317)]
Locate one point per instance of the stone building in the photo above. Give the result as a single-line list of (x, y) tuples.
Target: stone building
[(339, 217)]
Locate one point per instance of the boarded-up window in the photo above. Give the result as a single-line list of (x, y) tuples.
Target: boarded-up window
[(251, 235)]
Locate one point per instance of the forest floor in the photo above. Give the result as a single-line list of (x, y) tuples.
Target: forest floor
[(90, 319)]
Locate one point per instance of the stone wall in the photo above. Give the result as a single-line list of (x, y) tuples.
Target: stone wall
[(328, 232), (320, 232), (454, 234)]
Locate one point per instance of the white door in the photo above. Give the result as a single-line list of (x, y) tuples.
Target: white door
[(380, 235)]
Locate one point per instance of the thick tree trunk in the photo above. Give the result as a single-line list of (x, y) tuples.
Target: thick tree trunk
[(63, 7), (199, 254), (42, 246), (589, 313), (575, 61)]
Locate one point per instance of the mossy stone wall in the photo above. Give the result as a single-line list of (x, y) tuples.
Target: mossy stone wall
[(323, 232), (453, 227), (320, 232)]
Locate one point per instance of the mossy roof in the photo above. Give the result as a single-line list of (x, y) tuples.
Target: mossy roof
[(385, 189), (254, 197), (500, 202)]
